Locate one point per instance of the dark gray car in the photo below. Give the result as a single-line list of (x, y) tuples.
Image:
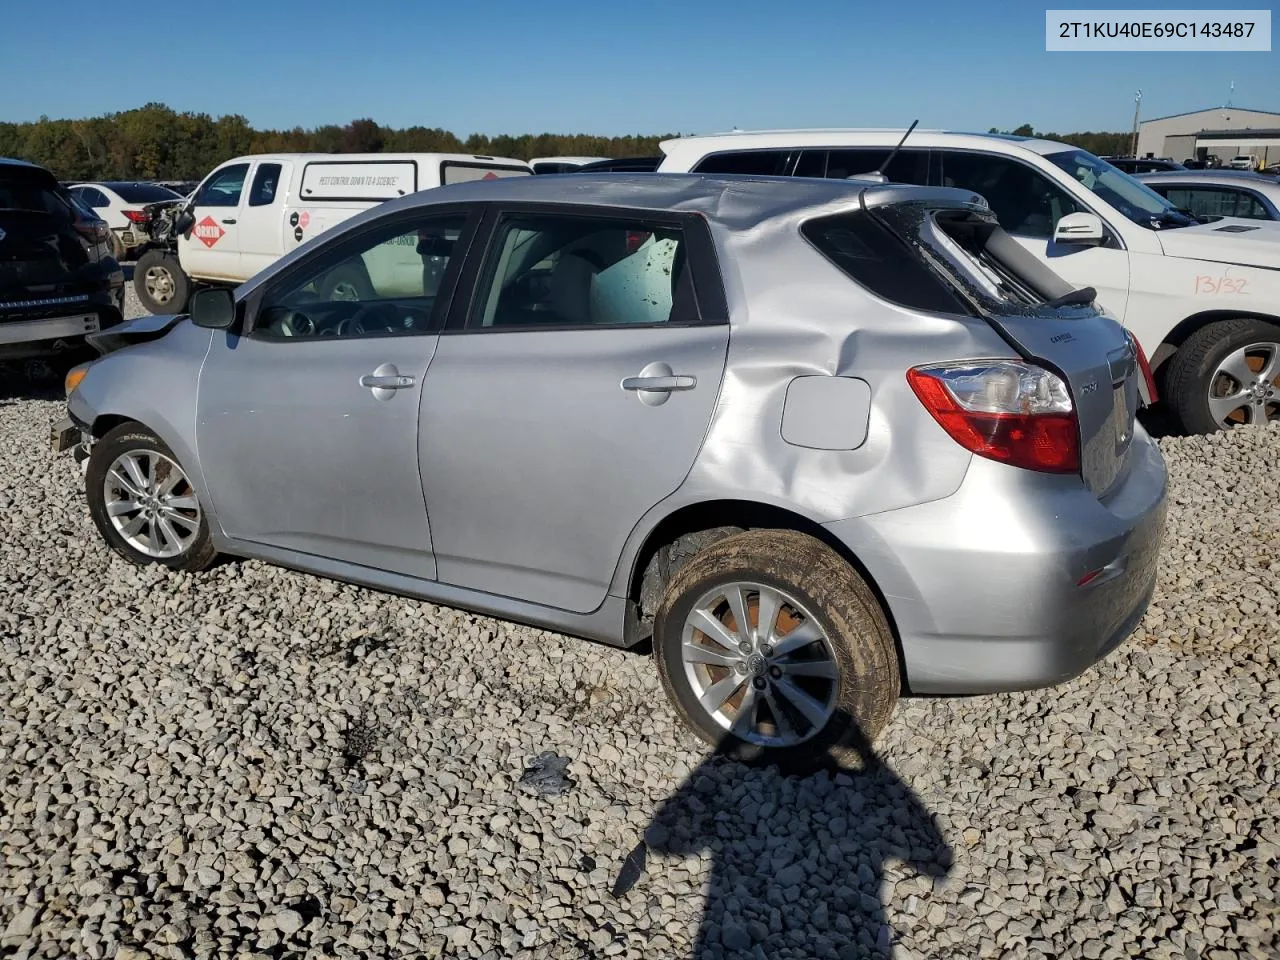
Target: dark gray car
[(820, 441)]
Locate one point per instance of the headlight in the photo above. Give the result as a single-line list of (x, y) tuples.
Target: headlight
[(73, 377)]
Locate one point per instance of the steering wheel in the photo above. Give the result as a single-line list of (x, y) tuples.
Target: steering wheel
[(380, 318), (294, 324)]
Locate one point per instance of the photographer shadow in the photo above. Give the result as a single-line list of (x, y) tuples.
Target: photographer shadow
[(798, 863)]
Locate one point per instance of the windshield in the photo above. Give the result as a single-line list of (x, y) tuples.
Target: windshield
[(1135, 200)]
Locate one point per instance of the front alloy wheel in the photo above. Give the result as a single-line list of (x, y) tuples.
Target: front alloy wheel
[(143, 502), (151, 503), (1245, 387)]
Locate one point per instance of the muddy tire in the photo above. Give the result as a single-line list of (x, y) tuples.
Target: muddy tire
[(160, 283), (1221, 375), (143, 504), (811, 679)]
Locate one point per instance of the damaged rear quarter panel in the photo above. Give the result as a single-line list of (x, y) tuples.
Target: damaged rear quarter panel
[(795, 314)]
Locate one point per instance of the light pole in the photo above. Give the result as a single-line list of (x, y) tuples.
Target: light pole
[(1137, 104)]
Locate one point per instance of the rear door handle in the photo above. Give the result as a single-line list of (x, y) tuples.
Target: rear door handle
[(232, 220), (387, 382), (673, 382)]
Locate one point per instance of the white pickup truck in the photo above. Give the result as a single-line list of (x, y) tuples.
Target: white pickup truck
[(1202, 298), (252, 210)]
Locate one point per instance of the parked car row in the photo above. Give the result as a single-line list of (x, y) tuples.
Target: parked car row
[(1188, 265), (819, 441)]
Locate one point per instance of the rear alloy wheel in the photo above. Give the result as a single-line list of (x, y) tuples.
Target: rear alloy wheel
[(773, 649), (143, 502), (1226, 375)]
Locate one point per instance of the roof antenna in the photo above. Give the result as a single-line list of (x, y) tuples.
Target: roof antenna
[(879, 175)]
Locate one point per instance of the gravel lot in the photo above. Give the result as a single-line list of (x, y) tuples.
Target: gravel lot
[(255, 762)]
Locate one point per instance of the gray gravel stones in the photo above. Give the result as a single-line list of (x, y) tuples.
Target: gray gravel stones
[(255, 762)]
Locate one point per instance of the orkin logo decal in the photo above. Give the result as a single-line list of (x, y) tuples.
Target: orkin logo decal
[(2, 234), (208, 231), (490, 176)]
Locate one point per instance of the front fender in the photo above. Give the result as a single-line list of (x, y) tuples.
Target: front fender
[(154, 384)]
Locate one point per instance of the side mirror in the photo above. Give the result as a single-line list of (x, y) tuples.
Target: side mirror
[(213, 308), (1080, 229)]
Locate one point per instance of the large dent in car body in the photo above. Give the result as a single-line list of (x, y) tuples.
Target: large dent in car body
[(793, 303)]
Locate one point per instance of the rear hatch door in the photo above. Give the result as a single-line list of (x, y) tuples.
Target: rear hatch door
[(41, 252), (1041, 316)]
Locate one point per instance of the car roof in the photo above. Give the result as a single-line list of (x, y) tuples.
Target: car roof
[(729, 198), (565, 160), (373, 157), (1221, 177), (855, 137)]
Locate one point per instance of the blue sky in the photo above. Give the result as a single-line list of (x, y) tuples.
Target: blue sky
[(697, 66)]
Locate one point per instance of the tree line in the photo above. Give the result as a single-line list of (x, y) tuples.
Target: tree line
[(1099, 144), (155, 142)]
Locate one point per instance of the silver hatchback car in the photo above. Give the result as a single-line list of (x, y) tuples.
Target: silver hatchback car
[(820, 441)]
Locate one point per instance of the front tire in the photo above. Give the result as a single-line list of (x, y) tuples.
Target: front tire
[(160, 283), (773, 649), (1226, 374), (143, 503)]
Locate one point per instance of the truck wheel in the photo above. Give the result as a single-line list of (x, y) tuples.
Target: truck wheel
[(143, 503), (1226, 374), (347, 282), (772, 648), (160, 283)]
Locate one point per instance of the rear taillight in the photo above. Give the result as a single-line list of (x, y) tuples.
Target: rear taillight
[(1006, 410), (1149, 394), (136, 216), (95, 231)]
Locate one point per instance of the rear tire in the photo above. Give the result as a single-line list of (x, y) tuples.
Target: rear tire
[(1201, 388), (147, 513), (160, 283), (799, 703)]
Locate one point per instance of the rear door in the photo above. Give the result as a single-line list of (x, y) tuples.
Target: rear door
[(212, 248), (572, 396)]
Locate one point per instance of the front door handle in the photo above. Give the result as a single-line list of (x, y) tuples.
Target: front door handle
[(673, 382), (386, 380), (232, 220)]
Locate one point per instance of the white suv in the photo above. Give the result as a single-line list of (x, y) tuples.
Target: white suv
[(1203, 299)]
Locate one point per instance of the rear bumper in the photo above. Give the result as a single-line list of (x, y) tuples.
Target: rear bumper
[(48, 331), (985, 586)]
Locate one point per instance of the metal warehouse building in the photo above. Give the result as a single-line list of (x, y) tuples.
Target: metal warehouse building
[(1223, 132)]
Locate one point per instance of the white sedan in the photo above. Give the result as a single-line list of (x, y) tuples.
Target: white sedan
[(120, 203)]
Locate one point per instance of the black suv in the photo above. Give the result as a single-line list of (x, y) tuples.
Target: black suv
[(58, 280)]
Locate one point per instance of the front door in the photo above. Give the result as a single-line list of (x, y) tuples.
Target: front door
[(1029, 205), (571, 397), (261, 221), (308, 425), (211, 249)]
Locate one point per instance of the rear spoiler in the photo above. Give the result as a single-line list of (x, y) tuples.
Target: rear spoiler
[(137, 330)]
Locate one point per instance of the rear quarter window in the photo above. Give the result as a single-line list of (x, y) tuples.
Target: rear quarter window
[(144, 193), (874, 258)]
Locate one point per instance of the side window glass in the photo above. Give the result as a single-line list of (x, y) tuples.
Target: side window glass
[(224, 187), (383, 284), (766, 163), (909, 166), (557, 271), (1251, 207), (812, 163), (94, 198), (265, 180), (1026, 202)]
